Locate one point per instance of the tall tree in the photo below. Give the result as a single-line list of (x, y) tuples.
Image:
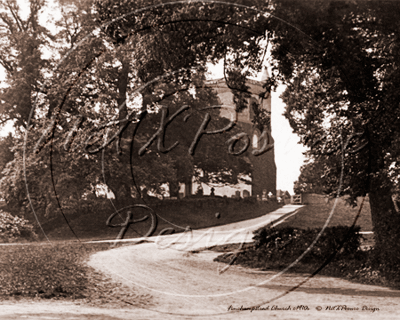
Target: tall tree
[(310, 179), (173, 42), (339, 60), (91, 94), (22, 41)]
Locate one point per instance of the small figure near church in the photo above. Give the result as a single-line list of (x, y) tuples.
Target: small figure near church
[(200, 191), (212, 194)]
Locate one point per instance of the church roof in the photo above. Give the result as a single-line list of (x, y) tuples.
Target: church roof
[(261, 78)]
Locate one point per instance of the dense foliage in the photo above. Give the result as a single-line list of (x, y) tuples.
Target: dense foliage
[(311, 179), (341, 241), (339, 60), (105, 104), (15, 228)]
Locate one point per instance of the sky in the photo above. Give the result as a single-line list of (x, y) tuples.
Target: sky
[(288, 152)]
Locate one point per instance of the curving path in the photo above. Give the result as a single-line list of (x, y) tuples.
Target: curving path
[(185, 283)]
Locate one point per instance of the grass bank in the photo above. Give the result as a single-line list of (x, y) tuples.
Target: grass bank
[(89, 223), (337, 211), (58, 271)]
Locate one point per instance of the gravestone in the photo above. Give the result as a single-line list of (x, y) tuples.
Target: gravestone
[(264, 196)]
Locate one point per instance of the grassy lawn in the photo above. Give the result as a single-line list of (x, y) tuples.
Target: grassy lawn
[(340, 213), (196, 214), (58, 271), (316, 215)]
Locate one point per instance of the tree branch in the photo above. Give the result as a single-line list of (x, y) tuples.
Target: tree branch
[(5, 120), (6, 64), (16, 18)]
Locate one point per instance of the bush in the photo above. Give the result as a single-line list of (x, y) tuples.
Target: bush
[(282, 246), (276, 249), (13, 228)]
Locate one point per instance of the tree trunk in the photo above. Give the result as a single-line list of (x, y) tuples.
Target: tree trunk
[(173, 189), (123, 78), (386, 224), (188, 188), (121, 191), (121, 186)]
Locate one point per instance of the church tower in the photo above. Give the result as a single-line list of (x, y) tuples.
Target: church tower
[(263, 173)]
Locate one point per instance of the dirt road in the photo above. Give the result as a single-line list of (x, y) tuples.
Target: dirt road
[(187, 284), (190, 285)]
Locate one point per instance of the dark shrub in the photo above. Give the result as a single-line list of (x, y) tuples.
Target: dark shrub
[(288, 243)]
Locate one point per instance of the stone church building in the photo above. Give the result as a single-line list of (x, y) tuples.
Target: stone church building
[(263, 181)]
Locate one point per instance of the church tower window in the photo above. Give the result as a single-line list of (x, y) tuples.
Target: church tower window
[(256, 139)]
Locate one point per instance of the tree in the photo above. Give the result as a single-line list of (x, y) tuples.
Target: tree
[(21, 57), (89, 101), (29, 96), (174, 41), (6, 153), (22, 40), (310, 179), (342, 99)]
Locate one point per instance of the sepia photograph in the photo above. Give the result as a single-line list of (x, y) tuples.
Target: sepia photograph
[(199, 159)]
